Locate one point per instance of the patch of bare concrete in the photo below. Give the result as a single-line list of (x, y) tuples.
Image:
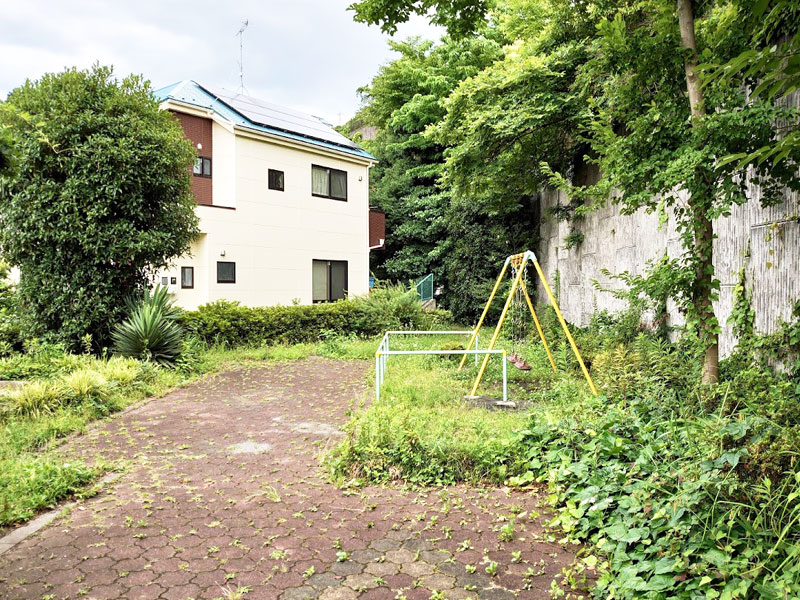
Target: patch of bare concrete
[(249, 448)]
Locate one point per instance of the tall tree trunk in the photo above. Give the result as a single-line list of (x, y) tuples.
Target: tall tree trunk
[(699, 203)]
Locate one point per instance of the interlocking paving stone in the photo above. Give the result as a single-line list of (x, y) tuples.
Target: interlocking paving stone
[(224, 490)]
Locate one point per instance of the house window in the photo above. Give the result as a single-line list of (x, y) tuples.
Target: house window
[(187, 278), (328, 183), (165, 281), (328, 280), (202, 166), (275, 180), (226, 272)]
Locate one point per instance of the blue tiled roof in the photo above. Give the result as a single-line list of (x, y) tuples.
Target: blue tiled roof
[(307, 128)]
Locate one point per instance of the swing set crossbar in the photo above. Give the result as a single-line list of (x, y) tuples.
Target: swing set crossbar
[(518, 262)]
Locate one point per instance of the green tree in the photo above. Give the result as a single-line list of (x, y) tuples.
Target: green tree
[(100, 198), (616, 84), (658, 137), (459, 16), (403, 99)]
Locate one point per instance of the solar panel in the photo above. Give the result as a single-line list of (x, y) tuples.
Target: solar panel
[(279, 117)]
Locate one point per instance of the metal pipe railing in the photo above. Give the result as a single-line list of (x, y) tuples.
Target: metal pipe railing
[(384, 352)]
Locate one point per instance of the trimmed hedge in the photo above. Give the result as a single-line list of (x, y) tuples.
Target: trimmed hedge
[(235, 325)]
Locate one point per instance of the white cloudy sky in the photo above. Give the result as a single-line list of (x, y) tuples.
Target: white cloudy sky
[(308, 54)]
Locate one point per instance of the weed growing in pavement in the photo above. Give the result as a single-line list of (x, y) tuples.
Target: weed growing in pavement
[(677, 490)]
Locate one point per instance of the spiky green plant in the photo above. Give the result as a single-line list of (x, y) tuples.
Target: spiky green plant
[(150, 332)]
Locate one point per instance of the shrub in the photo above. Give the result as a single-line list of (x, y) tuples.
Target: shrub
[(390, 307), (117, 205), (41, 360), (150, 332)]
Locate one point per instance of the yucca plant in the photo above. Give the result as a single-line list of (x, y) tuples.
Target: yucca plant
[(150, 332)]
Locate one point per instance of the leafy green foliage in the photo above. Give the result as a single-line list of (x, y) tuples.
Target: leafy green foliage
[(661, 501), (771, 66), (403, 99), (459, 16), (151, 331), (100, 198), (41, 360), (10, 314), (388, 307), (6, 151), (480, 237), (522, 111)]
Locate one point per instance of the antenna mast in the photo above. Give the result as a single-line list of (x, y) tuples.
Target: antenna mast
[(240, 33)]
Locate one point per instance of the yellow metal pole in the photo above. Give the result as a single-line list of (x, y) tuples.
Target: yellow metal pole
[(539, 327), (483, 315), (497, 329), (564, 327)]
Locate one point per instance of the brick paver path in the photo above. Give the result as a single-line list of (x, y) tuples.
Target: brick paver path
[(224, 492)]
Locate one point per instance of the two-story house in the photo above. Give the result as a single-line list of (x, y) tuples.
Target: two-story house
[(283, 202)]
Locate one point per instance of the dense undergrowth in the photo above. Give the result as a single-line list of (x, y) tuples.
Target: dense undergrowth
[(676, 490)]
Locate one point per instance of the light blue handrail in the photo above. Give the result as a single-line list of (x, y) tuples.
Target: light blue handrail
[(425, 287)]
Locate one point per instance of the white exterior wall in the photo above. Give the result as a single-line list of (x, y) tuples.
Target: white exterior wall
[(274, 236)]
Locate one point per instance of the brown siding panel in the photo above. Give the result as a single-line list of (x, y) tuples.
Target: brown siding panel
[(377, 227), (198, 130)]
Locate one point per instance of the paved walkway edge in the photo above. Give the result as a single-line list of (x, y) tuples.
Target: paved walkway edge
[(15, 537)]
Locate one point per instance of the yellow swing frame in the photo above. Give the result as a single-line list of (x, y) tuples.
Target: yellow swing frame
[(519, 261)]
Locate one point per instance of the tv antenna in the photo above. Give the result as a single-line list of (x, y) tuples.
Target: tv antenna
[(240, 33)]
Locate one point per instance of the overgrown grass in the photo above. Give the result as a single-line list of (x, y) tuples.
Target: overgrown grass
[(35, 417), (65, 392), (676, 490), (421, 430)]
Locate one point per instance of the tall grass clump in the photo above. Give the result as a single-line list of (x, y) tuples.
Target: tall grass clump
[(35, 416)]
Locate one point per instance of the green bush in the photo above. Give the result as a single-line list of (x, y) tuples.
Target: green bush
[(224, 322), (41, 360), (150, 332), (10, 315)]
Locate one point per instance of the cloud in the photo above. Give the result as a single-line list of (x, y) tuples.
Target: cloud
[(307, 54)]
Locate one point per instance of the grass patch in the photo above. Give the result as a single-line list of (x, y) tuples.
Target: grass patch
[(34, 418), (674, 490), (421, 430)]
